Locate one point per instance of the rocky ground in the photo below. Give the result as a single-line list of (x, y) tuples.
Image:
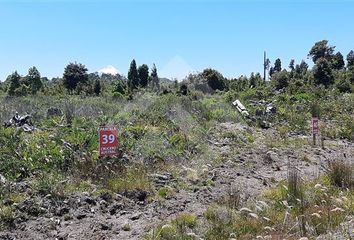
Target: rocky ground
[(245, 168)]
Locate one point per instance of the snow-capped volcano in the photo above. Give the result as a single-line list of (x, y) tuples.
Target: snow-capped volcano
[(109, 70), (176, 68)]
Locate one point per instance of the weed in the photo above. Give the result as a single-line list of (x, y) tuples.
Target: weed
[(250, 137), (165, 192), (294, 187), (126, 227), (341, 174), (132, 178), (7, 216), (306, 158)]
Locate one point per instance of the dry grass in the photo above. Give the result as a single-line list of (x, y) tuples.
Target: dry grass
[(340, 173)]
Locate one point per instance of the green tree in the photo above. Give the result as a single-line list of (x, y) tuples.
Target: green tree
[(97, 87), (277, 65), (154, 78), (303, 67), (14, 86), (255, 80), (214, 79), (120, 87), (292, 65), (350, 59), (183, 89), (133, 78), (281, 79), (143, 73), (344, 86), (322, 72), (338, 61), (34, 80), (74, 74), (321, 50), (271, 71), (350, 75)]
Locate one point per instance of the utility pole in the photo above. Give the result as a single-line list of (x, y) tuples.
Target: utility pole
[(264, 66)]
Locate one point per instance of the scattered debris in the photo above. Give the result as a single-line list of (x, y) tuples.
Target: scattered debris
[(262, 104), (239, 106), (161, 179), (23, 122), (2, 179), (265, 124)]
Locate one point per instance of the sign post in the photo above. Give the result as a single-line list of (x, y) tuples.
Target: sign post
[(108, 142), (314, 129)]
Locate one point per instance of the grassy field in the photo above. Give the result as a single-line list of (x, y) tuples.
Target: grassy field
[(163, 133)]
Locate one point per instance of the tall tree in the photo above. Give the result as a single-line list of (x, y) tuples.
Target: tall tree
[(271, 71), (214, 79), (74, 74), (133, 78), (292, 65), (281, 79), (321, 50), (34, 80), (277, 65), (338, 61), (350, 59), (143, 73), (97, 87), (15, 84), (322, 72), (303, 67), (154, 77)]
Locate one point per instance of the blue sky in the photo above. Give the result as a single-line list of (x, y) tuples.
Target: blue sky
[(177, 35)]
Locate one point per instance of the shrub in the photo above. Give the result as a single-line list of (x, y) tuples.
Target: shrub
[(341, 174), (281, 79)]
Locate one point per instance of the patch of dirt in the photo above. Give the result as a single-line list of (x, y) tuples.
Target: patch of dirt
[(249, 168)]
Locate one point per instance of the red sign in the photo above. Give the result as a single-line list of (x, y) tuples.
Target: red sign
[(315, 126), (108, 141)]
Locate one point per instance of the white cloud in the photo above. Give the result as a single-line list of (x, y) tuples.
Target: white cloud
[(176, 68), (109, 70)]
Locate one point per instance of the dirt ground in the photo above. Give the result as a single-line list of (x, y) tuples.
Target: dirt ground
[(248, 168)]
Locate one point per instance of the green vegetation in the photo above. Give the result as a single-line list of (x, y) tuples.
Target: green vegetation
[(165, 125), (293, 209), (177, 230)]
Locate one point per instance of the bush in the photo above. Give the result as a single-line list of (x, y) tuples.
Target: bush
[(281, 79), (341, 174)]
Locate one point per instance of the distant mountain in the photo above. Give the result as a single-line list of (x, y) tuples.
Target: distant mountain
[(177, 68), (109, 70), (165, 81)]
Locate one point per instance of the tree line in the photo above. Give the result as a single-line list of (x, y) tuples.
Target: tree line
[(329, 69), (77, 80)]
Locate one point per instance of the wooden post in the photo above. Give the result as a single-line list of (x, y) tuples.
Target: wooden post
[(314, 123), (322, 141)]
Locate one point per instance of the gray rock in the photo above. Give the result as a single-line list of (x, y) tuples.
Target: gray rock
[(62, 211), (53, 111), (90, 201), (115, 208), (62, 236), (106, 226), (136, 216), (81, 215)]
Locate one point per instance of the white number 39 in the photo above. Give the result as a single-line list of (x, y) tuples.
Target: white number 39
[(108, 138)]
